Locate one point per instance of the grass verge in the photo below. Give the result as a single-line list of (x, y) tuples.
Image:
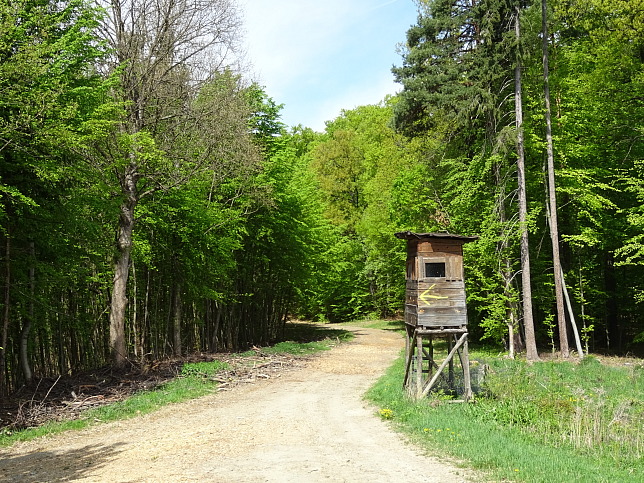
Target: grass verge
[(545, 422), (303, 338), (195, 380), (388, 324), (182, 388)]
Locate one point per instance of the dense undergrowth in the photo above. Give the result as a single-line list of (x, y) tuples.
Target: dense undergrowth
[(549, 421)]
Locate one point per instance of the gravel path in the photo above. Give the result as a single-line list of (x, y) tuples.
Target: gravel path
[(308, 425)]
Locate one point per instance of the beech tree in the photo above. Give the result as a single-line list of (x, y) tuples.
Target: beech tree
[(597, 105), (356, 164), (526, 282), (164, 54), (46, 52), (552, 197)]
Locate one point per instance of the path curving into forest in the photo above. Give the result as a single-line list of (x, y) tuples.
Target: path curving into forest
[(308, 425)]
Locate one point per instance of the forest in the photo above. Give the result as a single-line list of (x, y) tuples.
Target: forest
[(154, 205)]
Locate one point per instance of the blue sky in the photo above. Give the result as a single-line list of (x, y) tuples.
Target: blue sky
[(318, 57)]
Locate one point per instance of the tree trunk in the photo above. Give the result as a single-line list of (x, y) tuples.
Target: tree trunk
[(216, 324), (146, 337), (552, 198), (4, 383), (26, 328), (506, 270), (526, 289), (176, 326), (514, 338), (135, 320), (121, 269), (612, 306)]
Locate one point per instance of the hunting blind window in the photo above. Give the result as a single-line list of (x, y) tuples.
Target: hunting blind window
[(434, 269)]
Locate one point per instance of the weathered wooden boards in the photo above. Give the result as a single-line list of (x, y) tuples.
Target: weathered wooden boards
[(435, 294), (435, 304)]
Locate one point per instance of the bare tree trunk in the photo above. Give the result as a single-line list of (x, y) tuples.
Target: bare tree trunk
[(552, 198), (526, 289), (135, 321), (4, 383), (573, 323), (514, 342), (506, 269), (121, 269), (583, 309), (145, 345), (176, 326), (26, 328), (216, 325)]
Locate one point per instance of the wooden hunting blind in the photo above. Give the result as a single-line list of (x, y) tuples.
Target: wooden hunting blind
[(435, 309)]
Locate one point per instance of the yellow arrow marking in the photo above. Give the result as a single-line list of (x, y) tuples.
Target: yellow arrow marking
[(425, 295)]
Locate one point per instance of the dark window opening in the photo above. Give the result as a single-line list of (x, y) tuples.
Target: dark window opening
[(435, 270)]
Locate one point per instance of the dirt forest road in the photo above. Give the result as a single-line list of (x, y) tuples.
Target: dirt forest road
[(308, 425)]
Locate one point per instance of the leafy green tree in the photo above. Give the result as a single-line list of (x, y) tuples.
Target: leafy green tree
[(458, 77), (357, 164), (167, 56), (46, 53), (552, 196), (598, 81)]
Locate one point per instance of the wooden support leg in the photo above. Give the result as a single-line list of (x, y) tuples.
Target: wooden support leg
[(467, 383), (432, 381), (409, 353), (419, 366), (450, 371), (431, 364)]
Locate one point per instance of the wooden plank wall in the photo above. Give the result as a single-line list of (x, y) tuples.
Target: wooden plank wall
[(435, 302)]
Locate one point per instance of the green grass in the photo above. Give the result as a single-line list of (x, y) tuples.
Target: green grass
[(299, 348), (306, 338), (194, 381), (546, 422), (204, 369), (395, 325), (174, 391)]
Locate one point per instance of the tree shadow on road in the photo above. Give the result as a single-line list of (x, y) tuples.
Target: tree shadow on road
[(64, 465)]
